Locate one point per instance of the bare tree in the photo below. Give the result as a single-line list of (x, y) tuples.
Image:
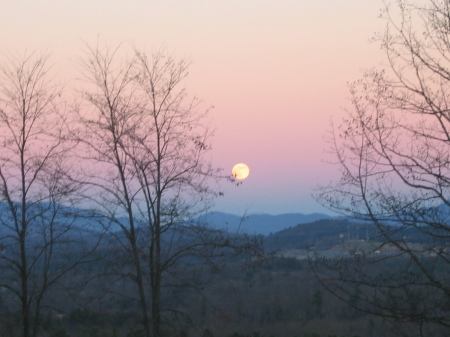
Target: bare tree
[(393, 153), (35, 229), (104, 130), (150, 141)]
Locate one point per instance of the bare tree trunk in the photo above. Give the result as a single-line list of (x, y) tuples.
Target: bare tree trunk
[(24, 285), (140, 284), (155, 275)]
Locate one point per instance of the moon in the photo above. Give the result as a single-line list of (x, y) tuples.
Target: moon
[(240, 171)]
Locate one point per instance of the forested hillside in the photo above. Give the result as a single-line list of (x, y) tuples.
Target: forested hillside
[(264, 292)]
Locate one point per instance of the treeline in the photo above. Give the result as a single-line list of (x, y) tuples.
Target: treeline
[(265, 297)]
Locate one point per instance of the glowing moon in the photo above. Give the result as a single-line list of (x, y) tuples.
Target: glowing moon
[(240, 171)]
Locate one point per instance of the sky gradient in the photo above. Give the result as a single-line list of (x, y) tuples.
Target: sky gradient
[(276, 73)]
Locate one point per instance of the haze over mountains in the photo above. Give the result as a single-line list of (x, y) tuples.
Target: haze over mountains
[(259, 224)]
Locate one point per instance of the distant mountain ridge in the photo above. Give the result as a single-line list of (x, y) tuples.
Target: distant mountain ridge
[(253, 224), (259, 224)]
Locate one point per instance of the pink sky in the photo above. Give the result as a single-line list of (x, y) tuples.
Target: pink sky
[(275, 71)]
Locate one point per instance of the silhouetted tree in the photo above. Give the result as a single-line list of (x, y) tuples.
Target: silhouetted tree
[(393, 153), (37, 233), (149, 142)]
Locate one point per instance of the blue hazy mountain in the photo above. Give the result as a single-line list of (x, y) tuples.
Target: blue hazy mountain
[(260, 224)]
